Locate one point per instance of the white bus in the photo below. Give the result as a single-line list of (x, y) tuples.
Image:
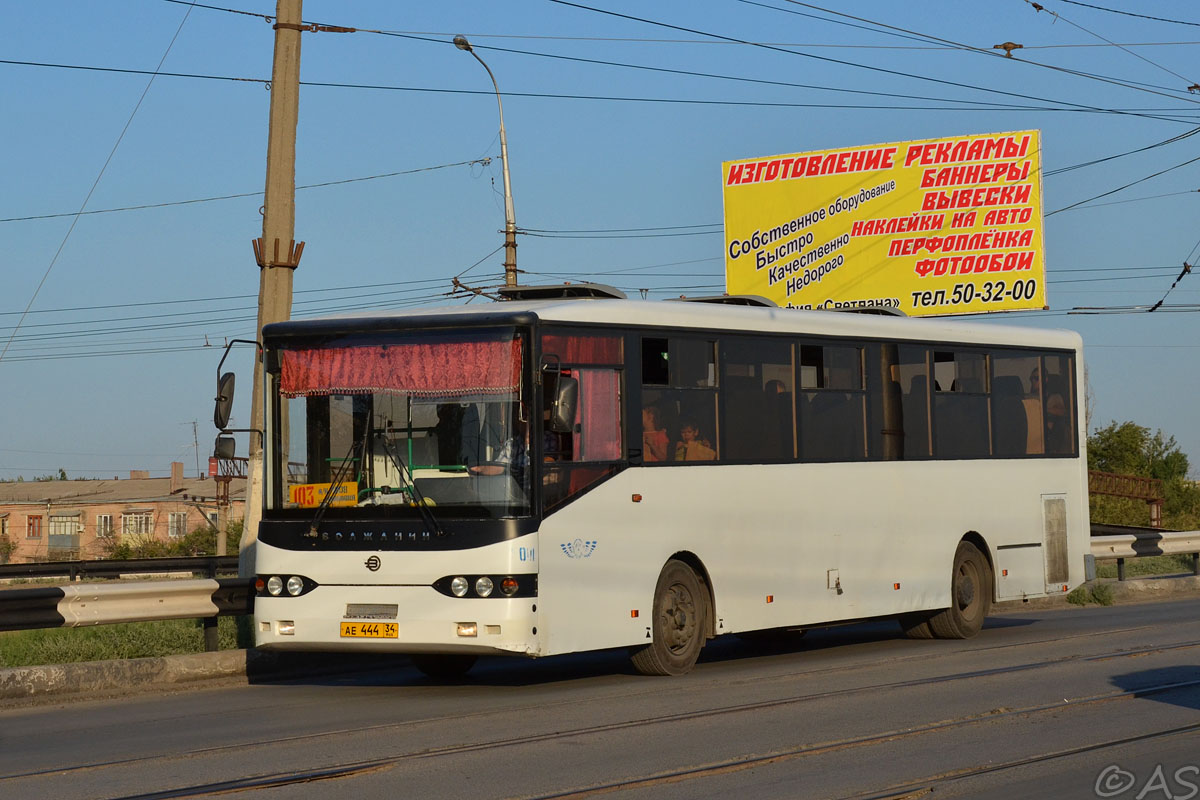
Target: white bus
[(537, 477)]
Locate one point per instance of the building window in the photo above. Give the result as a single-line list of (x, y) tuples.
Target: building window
[(64, 536), (4, 526), (177, 524), (139, 523), (104, 526), (34, 531), (212, 518)]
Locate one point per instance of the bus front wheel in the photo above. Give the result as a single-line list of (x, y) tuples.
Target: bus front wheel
[(970, 596), (680, 623)]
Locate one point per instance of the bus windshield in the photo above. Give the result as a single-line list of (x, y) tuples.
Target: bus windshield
[(374, 425)]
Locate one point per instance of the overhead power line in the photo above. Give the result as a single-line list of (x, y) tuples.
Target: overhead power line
[(481, 161), (1131, 14), (1162, 114), (120, 137), (990, 52)]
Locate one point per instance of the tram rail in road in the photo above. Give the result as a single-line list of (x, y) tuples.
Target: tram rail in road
[(847, 712)]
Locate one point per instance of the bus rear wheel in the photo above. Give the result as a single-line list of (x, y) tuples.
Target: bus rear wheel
[(444, 666), (970, 596), (680, 623)]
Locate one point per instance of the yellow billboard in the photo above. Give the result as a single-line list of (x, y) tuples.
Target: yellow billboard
[(937, 226)]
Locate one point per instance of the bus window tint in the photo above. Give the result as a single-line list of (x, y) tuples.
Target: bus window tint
[(1058, 402), (757, 392), (885, 410), (687, 410), (960, 408), (574, 461), (1016, 405), (911, 372), (832, 403), (654, 362)]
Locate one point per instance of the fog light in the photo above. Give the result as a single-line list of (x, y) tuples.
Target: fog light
[(285, 627), (458, 586), (274, 586), (509, 586), (468, 629), (483, 586), (295, 586)]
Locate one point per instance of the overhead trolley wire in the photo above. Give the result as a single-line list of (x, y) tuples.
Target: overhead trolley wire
[(95, 183), (1038, 8), (1163, 114), (1129, 13), (843, 62), (991, 53)]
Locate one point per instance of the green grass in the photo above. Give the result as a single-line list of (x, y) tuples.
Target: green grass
[(1099, 593), (105, 642), (1150, 565)]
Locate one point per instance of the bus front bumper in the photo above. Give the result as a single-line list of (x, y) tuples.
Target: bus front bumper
[(396, 619)]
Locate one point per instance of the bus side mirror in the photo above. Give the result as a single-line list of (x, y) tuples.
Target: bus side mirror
[(224, 401), (223, 447), (566, 398)]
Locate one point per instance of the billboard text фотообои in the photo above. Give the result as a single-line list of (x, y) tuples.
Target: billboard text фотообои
[(937, 226)]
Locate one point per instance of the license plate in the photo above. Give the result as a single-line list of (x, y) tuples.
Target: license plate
[(370, 630)]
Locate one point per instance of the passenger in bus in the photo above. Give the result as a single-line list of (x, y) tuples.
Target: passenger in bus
[(654, 436), (691, 446), (1058, 431), (512, 457), (1035, 443)]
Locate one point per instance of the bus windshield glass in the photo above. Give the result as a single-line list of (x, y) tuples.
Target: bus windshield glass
[(374, 425)]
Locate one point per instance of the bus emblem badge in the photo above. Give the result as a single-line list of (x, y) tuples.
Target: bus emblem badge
[(373, 563), (579, 548)]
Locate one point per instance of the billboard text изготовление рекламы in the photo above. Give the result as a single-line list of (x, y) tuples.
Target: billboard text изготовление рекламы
[(938, 226)]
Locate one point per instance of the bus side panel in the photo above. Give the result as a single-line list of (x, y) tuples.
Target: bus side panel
[(798, 544)]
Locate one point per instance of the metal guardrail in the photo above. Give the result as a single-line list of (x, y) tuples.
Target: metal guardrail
[(114, 567), (86, 604), (1120, 543)]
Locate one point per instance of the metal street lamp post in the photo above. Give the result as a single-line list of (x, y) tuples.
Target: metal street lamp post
[(510, 217)]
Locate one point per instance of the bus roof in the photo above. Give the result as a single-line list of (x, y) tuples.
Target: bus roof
[(660, 314)]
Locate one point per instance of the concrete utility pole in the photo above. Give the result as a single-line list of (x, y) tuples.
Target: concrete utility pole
[(277, 253)]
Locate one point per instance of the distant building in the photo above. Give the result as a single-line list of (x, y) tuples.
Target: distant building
[(74, 519)]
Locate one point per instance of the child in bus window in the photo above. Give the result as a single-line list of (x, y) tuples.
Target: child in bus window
[(654, 436), (691, 446)]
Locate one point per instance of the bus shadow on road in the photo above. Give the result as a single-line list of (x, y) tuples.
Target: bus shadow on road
[(1177, 686), (398, 671)]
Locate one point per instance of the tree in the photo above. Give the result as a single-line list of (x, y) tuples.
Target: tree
[(1130, 449)]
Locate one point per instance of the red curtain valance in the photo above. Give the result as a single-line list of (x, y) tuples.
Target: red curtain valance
[(583, 349), (432, 369)]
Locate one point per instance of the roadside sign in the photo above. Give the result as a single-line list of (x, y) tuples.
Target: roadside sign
[(931, 227)]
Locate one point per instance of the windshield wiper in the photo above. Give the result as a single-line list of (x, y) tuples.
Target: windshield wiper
[(327, 500), (419, 498)]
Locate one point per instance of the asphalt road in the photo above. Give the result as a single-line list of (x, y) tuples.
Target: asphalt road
[(1093, 702)]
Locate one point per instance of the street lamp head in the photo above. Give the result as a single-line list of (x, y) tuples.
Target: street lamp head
[(461, 43)]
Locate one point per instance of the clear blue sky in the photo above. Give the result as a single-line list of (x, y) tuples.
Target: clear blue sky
[(110, 367)]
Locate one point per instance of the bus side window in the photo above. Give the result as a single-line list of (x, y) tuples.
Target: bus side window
[(832, 406), (1058, 405), (757, 391)]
